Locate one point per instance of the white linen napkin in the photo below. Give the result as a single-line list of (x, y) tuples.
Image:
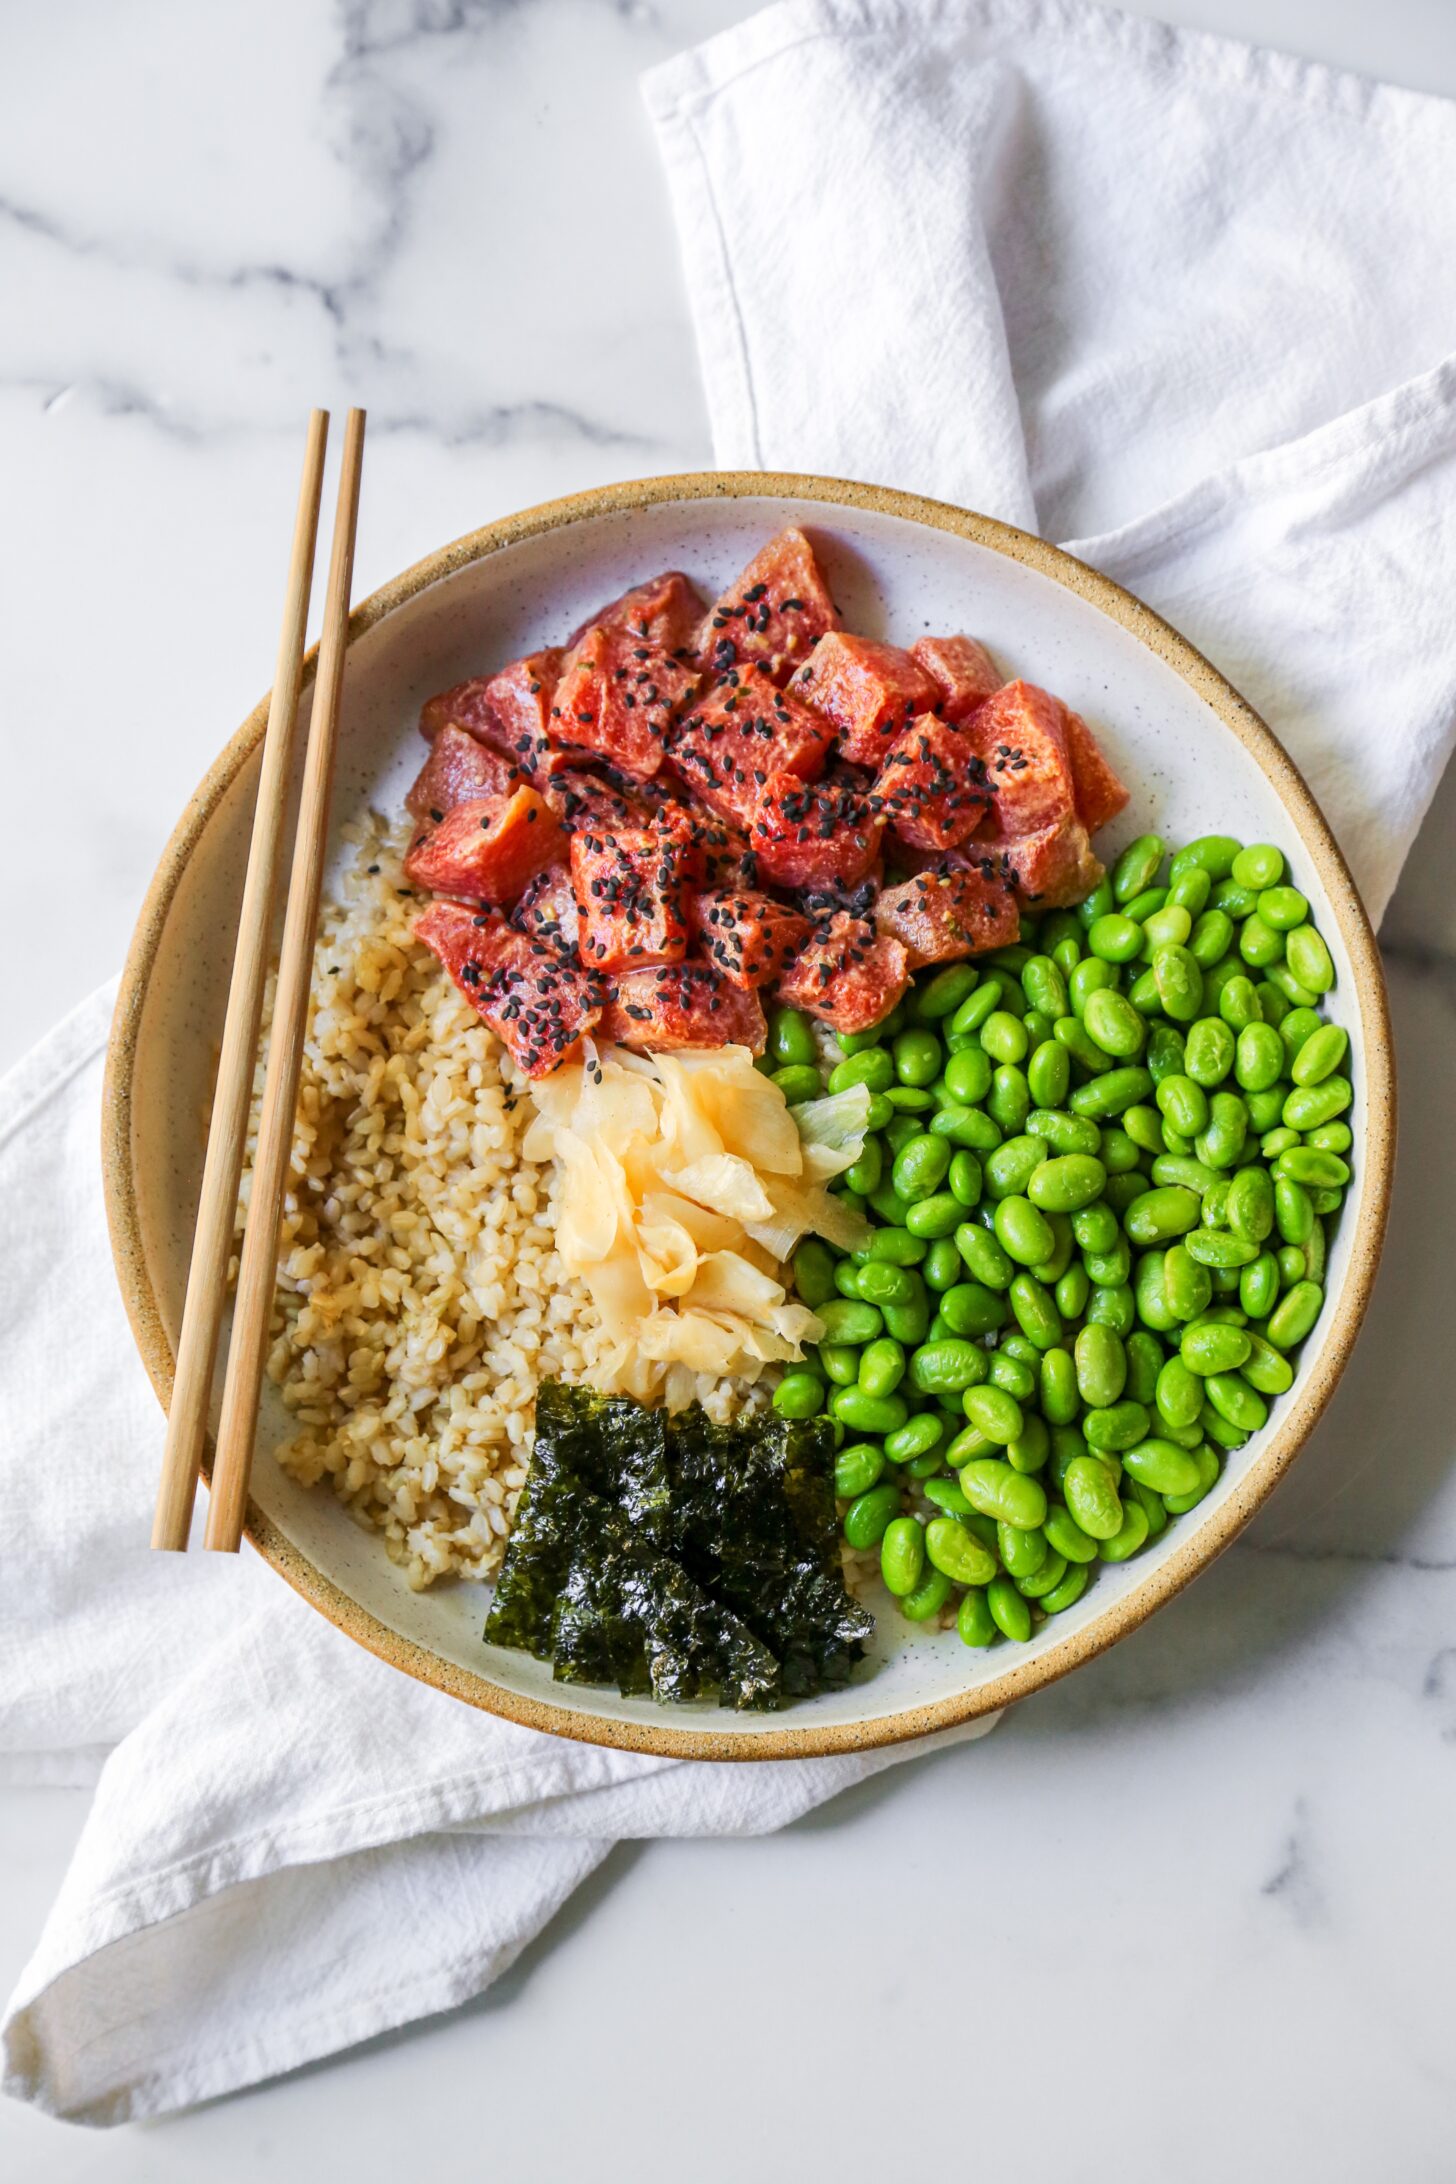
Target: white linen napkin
[(1156, 293), (1179, 304)]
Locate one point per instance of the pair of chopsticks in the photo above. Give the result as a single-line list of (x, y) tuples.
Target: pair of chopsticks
[(212, 1241)]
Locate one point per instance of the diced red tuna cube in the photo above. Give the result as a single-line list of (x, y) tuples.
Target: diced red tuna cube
[(962, 670), (870, 692), (508, 711), (956, 909), (848, 976), (931, 789), (630, 897), (535, 1000), (547, 910), (1052, 867), (664, 612), (814, 834), (682, 1005), (773, 613), (486, 850), (616, 700), (1099, 794), (1021, 733), (747, 935), (457, 769), (740, 733)]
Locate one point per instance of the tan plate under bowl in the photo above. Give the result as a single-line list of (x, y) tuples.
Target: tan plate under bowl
[(1197, 760)]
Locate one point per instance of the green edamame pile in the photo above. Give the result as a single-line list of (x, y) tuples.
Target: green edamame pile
[(1100, 1168)]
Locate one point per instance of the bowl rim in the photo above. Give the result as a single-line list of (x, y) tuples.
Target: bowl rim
[(669, 1737)]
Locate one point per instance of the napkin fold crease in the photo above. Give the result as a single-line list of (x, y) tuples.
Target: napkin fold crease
[(1179, 303)]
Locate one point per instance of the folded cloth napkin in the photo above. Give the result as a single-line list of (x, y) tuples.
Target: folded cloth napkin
[(1118, 283)]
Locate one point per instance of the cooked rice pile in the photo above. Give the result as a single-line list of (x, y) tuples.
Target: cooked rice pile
[(420, 1300)]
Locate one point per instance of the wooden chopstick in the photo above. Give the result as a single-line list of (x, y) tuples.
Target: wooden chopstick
[(227, 1134), (257, 1270)]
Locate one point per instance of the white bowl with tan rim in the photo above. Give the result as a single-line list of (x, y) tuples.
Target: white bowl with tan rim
[(1197, 759)]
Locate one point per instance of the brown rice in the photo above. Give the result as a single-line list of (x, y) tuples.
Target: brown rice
[(420, 1300)]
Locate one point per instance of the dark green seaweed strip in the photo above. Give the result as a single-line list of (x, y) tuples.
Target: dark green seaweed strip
[(631, 1616), (678, 1556)]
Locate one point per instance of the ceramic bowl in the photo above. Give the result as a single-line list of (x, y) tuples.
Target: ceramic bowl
[(1197, 760)]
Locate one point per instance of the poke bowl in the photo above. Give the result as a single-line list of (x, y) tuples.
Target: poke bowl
[(454, 1154)]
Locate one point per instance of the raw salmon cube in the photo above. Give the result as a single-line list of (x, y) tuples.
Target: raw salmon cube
[(616, 700), (486, 850), (547, 910), (956, 909), (1099, 794), (747, 935), (740, 733), (931, 789), (1052, 867), (682, 1005), (1021, 734), (664, 612), (814, 834), (963, 672), (869, 691), (773, 613), (629, 897), (848, 975), (457, 769), (535, 1000), (508, 711)]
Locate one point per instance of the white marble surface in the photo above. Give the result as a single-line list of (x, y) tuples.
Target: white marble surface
[(1187, 1915)]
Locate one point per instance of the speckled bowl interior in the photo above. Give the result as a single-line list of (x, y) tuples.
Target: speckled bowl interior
[(1196, 758)]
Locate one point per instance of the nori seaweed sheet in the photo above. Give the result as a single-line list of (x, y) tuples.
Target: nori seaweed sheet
[(676, 1556)]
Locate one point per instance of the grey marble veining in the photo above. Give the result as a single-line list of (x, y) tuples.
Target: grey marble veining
[(1188, 1913)]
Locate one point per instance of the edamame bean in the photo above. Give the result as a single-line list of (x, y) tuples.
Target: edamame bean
[(927, 1599), (975, 1624), (1023, 1233), (920, 1167), (1309, 959), (948, 1367), (1320, 1054), (1187, 1286), (1066, 1183), (1130, 1535), (1022, 1553), (994, 1489), (1249, 1208), (1212, 1347), (1009, 1611), (1111, 1094), (902, 1555), (814, 1265), (867, 1516), (847, 1320), (1101, 1365), (968, 1074), (954, 1549), (1064, 1132), (972, 1308), (881, 1368), (1259, 1285), (1294, 1315), (1309, 1106), (1035, 1310), (857, 1467), (1092, 1498), (868, 1413), (1234, 1399), (896, 1247), (1179, 1394), (1162, 1465), (799, 1395), (791, 1040), (1137, 867), (1114, 1023), (1157, 1215)]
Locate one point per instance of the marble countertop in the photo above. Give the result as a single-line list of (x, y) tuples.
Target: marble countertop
[(1212, 1937)]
